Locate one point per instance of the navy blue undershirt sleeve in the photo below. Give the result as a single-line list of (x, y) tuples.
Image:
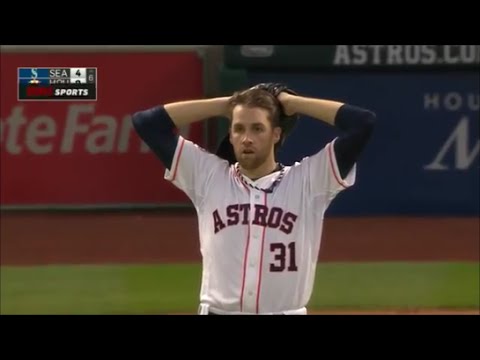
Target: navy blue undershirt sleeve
[(357, 126), (158, 131)]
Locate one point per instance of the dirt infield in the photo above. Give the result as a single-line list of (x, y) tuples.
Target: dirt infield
[(97, 238)]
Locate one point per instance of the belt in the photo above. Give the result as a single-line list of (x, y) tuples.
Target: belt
[(205, 309)]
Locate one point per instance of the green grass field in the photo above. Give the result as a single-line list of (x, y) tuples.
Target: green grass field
[(162, 289)]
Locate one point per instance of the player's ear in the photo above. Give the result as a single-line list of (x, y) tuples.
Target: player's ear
[(230, 132), (277, 133)]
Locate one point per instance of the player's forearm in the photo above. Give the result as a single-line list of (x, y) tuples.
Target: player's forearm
[(320, 109), (184, 113)]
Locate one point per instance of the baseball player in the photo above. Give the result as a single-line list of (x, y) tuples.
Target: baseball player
[(260, 222)]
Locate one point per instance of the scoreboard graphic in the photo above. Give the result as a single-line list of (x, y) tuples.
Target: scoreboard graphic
[(57, 84)]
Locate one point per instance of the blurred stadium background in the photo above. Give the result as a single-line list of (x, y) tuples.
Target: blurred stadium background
[(89, 226)]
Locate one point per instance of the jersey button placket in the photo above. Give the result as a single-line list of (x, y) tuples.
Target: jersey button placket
[(255, 249), (251, 270)]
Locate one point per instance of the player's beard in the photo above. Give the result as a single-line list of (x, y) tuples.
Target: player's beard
[(254, 160), (251, 161)]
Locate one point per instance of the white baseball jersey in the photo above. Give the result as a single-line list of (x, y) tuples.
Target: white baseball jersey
[(259, 249)]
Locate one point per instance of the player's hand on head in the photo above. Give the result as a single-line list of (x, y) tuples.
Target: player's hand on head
[(282, 92), (284, 99)]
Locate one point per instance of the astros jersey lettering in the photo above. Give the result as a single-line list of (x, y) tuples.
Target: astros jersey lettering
[(252, 240)]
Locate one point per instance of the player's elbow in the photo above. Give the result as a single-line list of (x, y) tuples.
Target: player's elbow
[(369, 118), (353, 118), (141, 120), (364, 118), (152, 122), (365, 122)]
